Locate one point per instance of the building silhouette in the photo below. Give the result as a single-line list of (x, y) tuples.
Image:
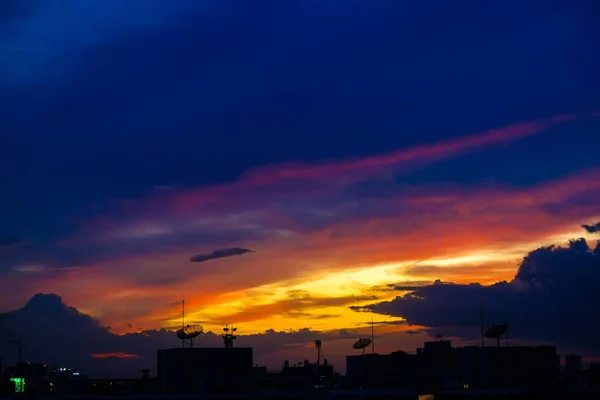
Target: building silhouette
[(437, 371)]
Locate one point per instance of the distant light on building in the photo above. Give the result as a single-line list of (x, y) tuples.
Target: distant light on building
[(19, 384)]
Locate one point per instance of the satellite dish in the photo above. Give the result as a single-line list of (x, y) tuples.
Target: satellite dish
[(189, 332), (496, 331), (361, 344)]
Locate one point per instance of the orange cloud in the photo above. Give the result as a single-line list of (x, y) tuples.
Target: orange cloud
[(114, 355), (288, 307), (494, 225), (132, 267)]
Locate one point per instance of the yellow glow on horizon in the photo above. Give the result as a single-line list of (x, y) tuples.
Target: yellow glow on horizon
[(282, 303), (340, 317), (347, 283), (565, 237), (479, 258)]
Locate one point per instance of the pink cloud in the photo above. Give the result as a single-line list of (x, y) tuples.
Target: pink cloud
[(426, 221), (322, 175), (428, 152), (146, 244), (250, 201)]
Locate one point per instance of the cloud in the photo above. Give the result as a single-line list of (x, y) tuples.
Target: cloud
[(235, 251), (293, 306), (268, 204), (400, 286), (550, 299), (416, 332), (387, 186), (427, 231), (430, 152), (53, 333), (276, 203), (594, 228), (113, 355), (313, 179), (305, 219)]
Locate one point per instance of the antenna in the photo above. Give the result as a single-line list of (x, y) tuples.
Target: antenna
[(372, 336), (318, 346), (229, 336), (482, 328), (496, 331), (188, 332)]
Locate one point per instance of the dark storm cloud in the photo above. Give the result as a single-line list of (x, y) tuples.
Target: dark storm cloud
[(234, 251), (400, 286), (552, 298), (52, 332), (408, 286), (56, 256), (594, 228)]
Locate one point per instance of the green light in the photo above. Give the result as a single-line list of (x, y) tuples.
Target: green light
[(19, 384)]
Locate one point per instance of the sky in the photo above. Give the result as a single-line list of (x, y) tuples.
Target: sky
[(385, 161)]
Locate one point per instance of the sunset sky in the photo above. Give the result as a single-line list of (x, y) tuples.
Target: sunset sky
[(362, 149)]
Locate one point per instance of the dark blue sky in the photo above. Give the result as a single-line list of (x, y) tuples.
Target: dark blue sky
[(267, 123), (104, 100)]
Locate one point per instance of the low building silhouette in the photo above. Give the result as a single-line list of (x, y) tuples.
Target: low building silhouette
[(439, 366), (394, 370), (436, 371), (509, 367), (183, 370)]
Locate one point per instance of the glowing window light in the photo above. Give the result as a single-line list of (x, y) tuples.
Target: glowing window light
[(19, 384)]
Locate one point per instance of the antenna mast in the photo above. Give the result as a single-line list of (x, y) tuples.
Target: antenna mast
[(229, 336), (318, 346), (372, 336), (187, 332)]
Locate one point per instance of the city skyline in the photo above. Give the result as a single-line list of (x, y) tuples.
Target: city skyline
[(43, 328), (382, 161)]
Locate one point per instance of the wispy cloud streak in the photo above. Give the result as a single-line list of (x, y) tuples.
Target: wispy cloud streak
[(425, 152), (290, 180), (306, 228)]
